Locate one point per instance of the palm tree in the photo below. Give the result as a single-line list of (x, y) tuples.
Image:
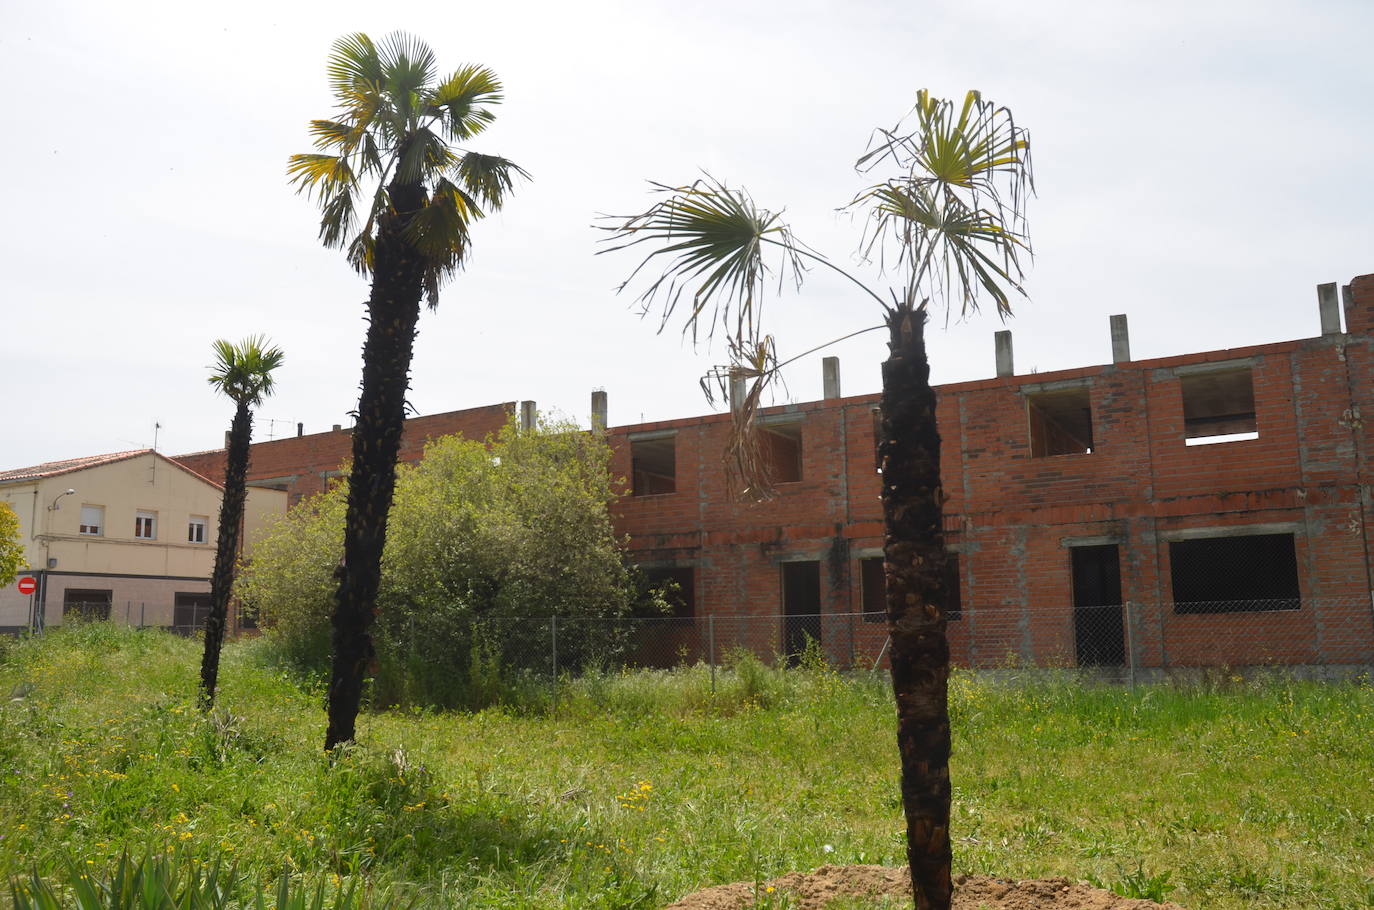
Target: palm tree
[(242, 373), (949, 221), (393, 154)]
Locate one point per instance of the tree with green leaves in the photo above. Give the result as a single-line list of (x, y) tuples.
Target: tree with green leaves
[(11, 550), (947, 220), (242, 373), (398, 193)]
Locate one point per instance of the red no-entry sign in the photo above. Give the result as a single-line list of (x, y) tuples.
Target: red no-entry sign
[(28, 584)]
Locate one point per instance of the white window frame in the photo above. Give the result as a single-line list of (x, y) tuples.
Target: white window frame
[(150, 518), (92, 530), (199, 523)]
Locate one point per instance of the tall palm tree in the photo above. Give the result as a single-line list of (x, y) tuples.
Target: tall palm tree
[(243, 374), (949, 222), (393, 156)]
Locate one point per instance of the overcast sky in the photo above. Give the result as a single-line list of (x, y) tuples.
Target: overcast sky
[(1200, 166)]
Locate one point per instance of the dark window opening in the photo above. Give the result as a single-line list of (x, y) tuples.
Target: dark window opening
[(878, 440), (678, 587), (1099, 632), (189, 612), (1219, 407), (653, 466), (85, 603), (801, 602), (1061, 422), (874, 589), (781, 448), (1235, 574)]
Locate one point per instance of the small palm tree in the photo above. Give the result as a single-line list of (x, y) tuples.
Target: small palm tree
[(243, 374), (949, 222), (398, 193)]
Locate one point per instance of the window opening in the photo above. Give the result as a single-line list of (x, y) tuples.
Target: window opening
[(1061, 422), (1219, 407), (145, 525), (781, 446), (86, 604), (878, 440), (653, 466), (801, 602), (93, 520), (1099, 632), (195, 530), (1235, 574), (678, 587), (189, 611), (873, 584)]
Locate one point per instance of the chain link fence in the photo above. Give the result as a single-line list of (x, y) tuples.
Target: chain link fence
[(1331, 636)]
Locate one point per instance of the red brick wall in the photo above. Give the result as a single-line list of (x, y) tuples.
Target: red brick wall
[(1016, 514), (306, 463)]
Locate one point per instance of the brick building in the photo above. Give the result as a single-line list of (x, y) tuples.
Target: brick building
[(1221, 496)]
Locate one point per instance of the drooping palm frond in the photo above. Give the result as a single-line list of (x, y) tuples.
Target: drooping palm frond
[(243, 371), (956, 210), (397, 127), (714, 239)]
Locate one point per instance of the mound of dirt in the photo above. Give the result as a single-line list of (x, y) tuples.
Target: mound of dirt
[(814, 890)]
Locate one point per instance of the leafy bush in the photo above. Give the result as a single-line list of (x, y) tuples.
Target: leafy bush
[(482, 537)]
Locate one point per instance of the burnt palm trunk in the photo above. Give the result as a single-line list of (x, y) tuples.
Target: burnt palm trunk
[(226, 549), (914, 563), (393, 309)]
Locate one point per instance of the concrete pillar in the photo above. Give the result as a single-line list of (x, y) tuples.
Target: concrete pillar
[(1121, 339), (1329, 307), (738, 390), (830, 377), (598, 410), (528, 415), (1002, 345), (226, 439)]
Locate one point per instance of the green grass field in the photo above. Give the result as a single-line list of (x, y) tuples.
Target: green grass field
[(633, 790)]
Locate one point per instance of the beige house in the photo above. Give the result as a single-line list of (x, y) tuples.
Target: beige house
[(128, 537)]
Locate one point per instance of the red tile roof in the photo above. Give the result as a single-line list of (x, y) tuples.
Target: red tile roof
[(66, 466)]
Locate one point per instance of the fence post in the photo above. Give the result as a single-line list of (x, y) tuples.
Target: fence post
[(142, 614), (711, 648), (1130, 643), (553, 636)]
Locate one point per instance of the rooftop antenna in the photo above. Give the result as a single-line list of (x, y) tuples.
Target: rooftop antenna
[(152, 470)]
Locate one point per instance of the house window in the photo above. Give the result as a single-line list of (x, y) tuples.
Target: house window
[(1219, 406), (189, 612), (653, 465), (145, 525), (195, 530), (86, 603), (1252, 573), (93, 520), (781, 448), (874, 588), (1061, 422)]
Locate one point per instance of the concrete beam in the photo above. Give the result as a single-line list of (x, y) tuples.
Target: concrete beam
[(738, 391), (1329, 308), (830, 377), (598, 411), (528, 416), (1002, 346), (1121, 339)]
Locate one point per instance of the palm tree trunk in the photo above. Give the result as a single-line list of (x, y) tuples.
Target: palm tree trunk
[(393, 310), (226, 548), (914, 564)]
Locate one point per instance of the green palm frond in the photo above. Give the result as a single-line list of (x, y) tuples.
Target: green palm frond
[(394, 136), (713, 239), (461, 97), (243, 371), (955, 214)]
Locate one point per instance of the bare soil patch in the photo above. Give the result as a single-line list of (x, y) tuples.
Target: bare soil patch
[(815, 890)]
